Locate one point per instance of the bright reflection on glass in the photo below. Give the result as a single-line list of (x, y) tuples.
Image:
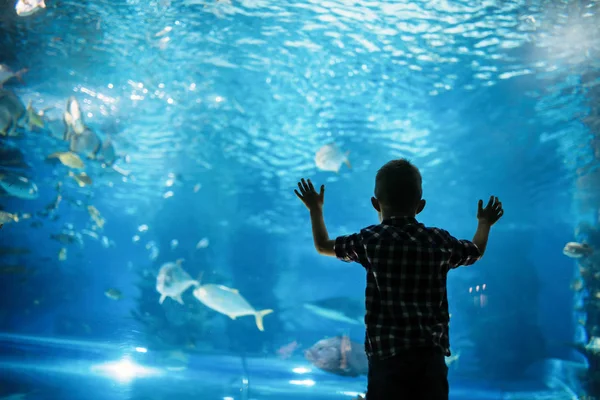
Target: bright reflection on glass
[(124, 370), (301, 370), (305, 382)]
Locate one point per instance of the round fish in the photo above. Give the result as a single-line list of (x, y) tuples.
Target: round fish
[(228, 301), (339, 355), (19, 186), (25, 8), (172, 281), (86, 143), (13, 105), (330, 158), (6, 74), (107, 152), (577, 250)]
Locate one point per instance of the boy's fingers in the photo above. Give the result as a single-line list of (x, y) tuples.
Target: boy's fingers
[(298, 194), (480, 205), (322, 192), (310, 186), (489, 204)]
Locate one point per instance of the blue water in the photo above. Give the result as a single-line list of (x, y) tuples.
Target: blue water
[(215, 110)]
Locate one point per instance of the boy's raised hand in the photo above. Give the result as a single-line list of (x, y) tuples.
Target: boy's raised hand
[(309, 196), (491, 213)]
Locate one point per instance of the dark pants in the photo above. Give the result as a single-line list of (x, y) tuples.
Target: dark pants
[(419, 374)]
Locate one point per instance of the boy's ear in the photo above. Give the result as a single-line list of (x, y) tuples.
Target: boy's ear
[(421, 206), (376, 204)]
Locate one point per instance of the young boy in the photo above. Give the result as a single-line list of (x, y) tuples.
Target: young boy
[(406, 297)]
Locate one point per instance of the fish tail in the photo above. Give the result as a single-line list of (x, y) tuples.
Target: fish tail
[(259, 318), (15, 218)]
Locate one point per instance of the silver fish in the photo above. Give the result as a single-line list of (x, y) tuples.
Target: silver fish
[(577, 250), (86, 143), (340, 309), (172, 281), (13, 105), (107, 152), (330, 158), (6, 74), (25, 8), (73, 118), (229, 301), (18, 186)]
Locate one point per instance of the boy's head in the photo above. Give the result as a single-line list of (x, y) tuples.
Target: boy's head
[(398, 190)]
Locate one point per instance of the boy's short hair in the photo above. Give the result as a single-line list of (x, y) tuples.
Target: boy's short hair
[(398, 185)]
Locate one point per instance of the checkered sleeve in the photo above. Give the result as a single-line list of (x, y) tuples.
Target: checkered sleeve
[(462, 252), (350, 248)]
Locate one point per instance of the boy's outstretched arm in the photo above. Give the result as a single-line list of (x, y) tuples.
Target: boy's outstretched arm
[(314, 202), (487, 217)]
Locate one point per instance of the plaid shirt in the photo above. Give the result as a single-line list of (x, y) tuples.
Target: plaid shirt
[(406, 297)]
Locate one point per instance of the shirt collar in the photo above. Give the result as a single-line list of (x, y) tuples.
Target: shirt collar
[(399, 221)]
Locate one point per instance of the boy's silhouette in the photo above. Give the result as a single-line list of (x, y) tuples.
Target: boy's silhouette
[(406, 297)]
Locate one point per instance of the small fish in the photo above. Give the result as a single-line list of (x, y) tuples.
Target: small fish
[(8, 217), (25, 8), (172, 281), (577, 250), (113, 294), (174, 244), (577, 285), (12, 269), (197, 187), (11, 103), (86, 143), (228, 301), (35, 119), (340, 309), (18, 186), (339, 355), (95, 214), (8, 124), (331, 158), (73, 119), (286, 351), (202, 243), (82, 178), (68, 159), (62, 254), (67, 237), (6, 74), (107, 153), (91, 234)]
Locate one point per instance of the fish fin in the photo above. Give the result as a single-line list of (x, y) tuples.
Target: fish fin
[(196, 283), (19, 74), (43, 4), (162, 298), (234, 291), (232, 316), (347, 161), (200, 275), (259, 318), (179, 261), (15, 218), (178, 299)]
